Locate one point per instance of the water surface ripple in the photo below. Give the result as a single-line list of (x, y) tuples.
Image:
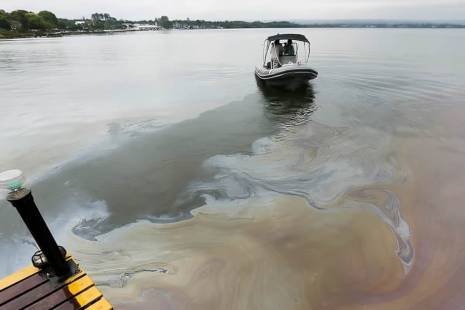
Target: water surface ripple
[(179, 183)]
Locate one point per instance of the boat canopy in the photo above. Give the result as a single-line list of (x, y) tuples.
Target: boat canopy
[(269, 43), (288, 36)]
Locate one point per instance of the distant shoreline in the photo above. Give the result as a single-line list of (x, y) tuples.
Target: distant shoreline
[(5, 35), (26, 24), (54, 34)]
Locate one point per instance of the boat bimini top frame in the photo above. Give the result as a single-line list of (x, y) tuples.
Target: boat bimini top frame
[(295, 37)]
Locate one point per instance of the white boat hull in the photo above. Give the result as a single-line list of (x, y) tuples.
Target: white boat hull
[(286, 73)]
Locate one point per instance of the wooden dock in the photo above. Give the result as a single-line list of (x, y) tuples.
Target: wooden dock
[(30, 288)]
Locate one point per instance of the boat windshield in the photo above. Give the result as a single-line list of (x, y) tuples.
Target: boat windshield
[(282, 52)]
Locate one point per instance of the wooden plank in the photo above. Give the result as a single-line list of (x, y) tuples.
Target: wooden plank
[(63, 294), (85, 298), (101, 304), (88, 296), (39, 292), (78, 286), (30, 288), (22, 287), (17, 277), (20, 275)]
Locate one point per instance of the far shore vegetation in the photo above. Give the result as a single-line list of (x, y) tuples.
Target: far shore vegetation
[(22, 23)]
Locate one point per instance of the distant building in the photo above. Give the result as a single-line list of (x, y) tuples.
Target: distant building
[(145, 27), (180, 25)]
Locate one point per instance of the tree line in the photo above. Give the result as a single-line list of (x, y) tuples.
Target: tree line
[(234, 24), (23, 21), (166, 23)]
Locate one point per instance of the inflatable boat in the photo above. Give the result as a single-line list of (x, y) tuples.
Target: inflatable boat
[(285, 61)]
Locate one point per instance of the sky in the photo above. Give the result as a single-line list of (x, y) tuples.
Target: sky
[(264, 10)]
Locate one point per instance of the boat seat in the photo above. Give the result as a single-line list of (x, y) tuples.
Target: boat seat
[(287, 59)]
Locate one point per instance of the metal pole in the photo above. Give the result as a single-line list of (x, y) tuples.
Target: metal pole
[(24, 203)]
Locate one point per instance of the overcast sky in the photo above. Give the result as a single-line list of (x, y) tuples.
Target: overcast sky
[(250, 9)]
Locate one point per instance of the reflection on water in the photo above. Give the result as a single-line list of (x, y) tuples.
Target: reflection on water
[(290, 108)]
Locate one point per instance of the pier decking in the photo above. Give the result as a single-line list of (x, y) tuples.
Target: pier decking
[(30, 288)]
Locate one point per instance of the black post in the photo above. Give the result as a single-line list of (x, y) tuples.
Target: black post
[(27, 209)]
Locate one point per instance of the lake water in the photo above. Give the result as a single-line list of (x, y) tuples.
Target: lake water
[(178, 183)]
